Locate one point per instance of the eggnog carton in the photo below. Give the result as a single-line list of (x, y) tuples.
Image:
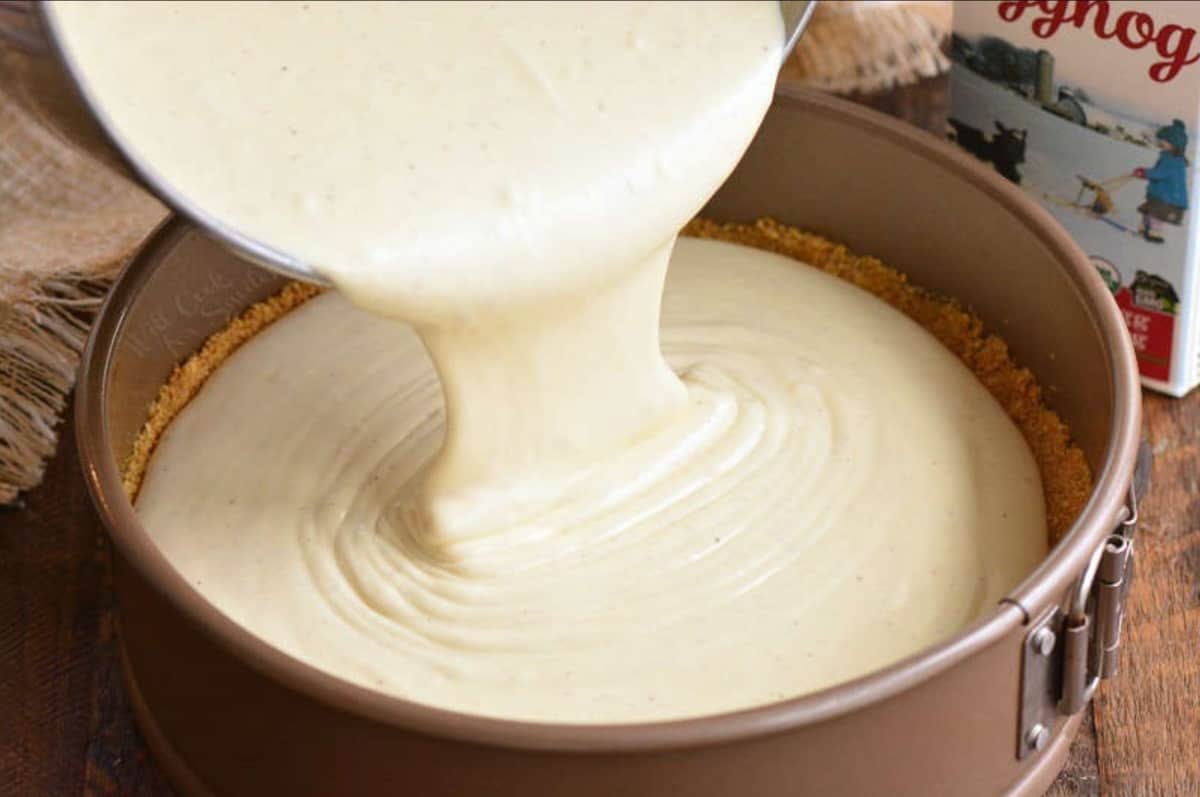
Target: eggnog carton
[(1093, 109)]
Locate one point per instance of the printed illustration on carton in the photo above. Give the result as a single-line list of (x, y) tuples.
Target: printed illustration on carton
[(1035, 94)]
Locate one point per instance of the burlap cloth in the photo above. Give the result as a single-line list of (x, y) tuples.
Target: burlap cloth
[(68, 219), (865, 47), (70, 216)]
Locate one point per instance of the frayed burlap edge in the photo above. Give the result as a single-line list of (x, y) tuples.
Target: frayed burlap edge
[(68, 220), (40, 343)]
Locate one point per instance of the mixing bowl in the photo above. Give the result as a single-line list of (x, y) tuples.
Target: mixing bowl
[(989, 711), (46, 34)]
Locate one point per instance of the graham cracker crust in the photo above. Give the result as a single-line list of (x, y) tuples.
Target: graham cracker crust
[(1066, 477)]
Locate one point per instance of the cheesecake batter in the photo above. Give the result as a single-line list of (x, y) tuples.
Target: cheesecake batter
[(837, 496), (512, 503)]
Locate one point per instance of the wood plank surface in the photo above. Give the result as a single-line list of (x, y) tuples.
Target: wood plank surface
[(65, 728), (53, 597), (1148, 720)]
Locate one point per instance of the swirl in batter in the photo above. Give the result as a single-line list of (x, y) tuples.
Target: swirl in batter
[(840, 492)]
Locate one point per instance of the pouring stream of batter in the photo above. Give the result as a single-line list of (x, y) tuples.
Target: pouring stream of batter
[(508, 177)]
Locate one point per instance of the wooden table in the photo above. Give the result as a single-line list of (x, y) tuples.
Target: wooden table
[(65, 726)]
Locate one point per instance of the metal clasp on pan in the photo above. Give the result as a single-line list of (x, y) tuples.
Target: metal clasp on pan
[(1092, 630), (1068, 652)]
